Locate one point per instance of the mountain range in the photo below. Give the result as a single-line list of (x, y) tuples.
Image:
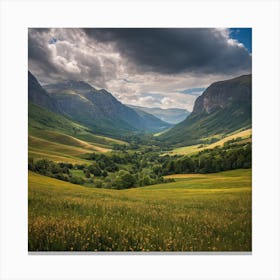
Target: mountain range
[(99, 110), (171, 115), (224, 107)]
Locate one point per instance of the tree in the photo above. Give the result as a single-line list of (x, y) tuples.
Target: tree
[(87, 173), (95, 169)]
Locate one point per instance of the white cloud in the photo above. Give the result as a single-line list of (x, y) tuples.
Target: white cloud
[(74, 55)]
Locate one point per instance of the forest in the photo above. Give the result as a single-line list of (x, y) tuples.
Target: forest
[(121, 168)]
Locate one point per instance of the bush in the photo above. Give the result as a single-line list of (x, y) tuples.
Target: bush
[(76, 180)]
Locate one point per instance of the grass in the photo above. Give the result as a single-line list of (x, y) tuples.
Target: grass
[(59, 147), (53, 136), (245, 135), (195, 213), (161, 132), (39, 154), (41, 122), (78, 173)]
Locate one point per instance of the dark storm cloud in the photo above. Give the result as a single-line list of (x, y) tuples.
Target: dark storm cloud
[(172, 51), (37, 51), (132, 62), (61, 54)]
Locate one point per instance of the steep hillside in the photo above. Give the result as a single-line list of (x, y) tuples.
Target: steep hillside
[(37, 95), (224, 107), (99, 109), (53, 136)]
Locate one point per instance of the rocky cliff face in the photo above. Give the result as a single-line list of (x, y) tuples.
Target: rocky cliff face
[(222, 94), (224, 107)]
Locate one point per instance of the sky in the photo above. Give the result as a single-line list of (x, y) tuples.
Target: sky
[(150, 67)]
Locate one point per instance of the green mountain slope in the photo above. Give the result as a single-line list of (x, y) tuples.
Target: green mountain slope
[(55, 137), (100, 110), (224, 107), (39, 96)]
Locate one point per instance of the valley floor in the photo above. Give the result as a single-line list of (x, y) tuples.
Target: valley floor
[(197, 212)]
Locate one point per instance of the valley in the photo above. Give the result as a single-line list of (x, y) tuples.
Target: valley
[(107, 177)]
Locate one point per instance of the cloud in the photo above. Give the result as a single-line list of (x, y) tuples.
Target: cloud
[(175, 50), (167, 102), (161, 100), (147, 67), (71, 55)]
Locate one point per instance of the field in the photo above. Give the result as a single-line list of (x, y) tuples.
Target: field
[(245, 135), (62, 148), (59, 147), (195, 213), (54, 137)]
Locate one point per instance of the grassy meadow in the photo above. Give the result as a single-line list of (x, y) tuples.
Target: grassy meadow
[(54, 137), (241, 137), (197, 212)]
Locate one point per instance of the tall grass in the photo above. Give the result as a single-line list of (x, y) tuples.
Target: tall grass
[(206, 213)]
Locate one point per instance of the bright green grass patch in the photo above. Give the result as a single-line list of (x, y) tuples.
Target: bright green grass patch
[(61, 148), (161, 132), (56, 157), (64, 139), (205, 213), (187, 150), (44, 145), (41, 121), (77, 173), (245, 135)]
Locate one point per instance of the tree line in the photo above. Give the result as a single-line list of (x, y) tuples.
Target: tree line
[(127, 169), (224, 158)]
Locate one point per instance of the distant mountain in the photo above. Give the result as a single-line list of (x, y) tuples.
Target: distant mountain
[(37, 95), (99, 109), (224, 107), (150, 121), (171, 116)]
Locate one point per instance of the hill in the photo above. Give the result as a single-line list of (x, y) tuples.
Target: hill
[(171, 116), (244, 136), (100, 110), (57, 138), (37, 95), (224, 107)]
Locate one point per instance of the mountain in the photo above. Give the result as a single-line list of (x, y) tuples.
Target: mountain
[(100, 110), (171, 116), (45, 124), (150, 121), (224, 107), (37, 95)]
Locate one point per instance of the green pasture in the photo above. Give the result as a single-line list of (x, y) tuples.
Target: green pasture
[(197, 212), (245, 136)]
